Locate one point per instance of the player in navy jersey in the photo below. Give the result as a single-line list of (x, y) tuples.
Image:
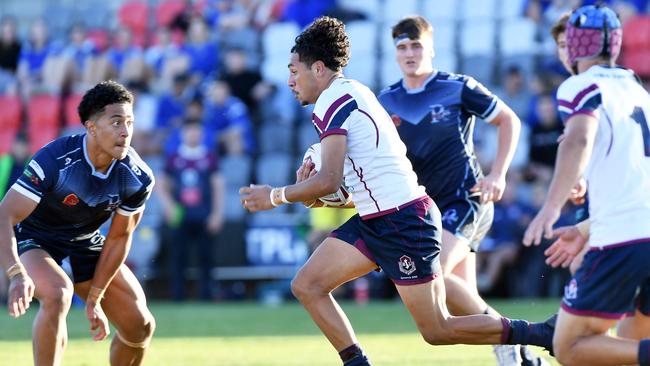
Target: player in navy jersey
[(434, 112), (68, 190), (605, 110), (397, 228)]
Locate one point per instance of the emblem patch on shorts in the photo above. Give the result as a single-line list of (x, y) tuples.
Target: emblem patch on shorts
[(571, 290), (71, 200), (450, 216), (406, 265)]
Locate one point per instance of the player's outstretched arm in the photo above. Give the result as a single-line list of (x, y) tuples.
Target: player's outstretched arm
[(572, 157), (326, 181), (493, 185), (114, 252), (14, 208)]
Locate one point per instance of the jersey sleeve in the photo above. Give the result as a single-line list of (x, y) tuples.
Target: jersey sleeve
[(479, 101), (335, 119), (578, 96), (135, 203), (39, 176)]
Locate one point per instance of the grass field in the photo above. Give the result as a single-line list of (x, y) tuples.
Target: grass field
[(250, 334)]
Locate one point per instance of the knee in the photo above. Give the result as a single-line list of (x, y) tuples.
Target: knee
[(305, 288), (57, 297), (140, 329), (563, 354)]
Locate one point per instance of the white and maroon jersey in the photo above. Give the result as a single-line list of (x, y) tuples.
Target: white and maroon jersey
[(376, 171), (618, 173)]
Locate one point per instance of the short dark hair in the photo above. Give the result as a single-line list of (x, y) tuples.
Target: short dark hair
[(324, 40), (413, 26), (101, 95), (560, 26)]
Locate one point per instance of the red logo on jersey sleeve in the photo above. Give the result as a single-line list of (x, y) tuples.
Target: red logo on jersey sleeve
[(71, 200)]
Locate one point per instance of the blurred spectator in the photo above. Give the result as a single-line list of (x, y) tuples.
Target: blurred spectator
[(227, 117), (88, 67), (126, 58), (13, 164), (303, 12), (515, 92), (9, 54), (203, 52), (543, 138), (244, 83), (166, 59), (172, 104), (191, 192), (145, 109), (500, 249), (41, 69)]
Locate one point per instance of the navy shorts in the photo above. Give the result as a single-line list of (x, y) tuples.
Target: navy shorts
[(464, 216), (405, 243), (83, 254), (611, 281)]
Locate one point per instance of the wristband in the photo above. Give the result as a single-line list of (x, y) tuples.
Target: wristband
[(14, 270), (95, 294), (271, 198), (282, 196)]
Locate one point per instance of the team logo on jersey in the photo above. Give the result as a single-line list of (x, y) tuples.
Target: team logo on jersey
[(71, 200), (113, 202), (438, 113), (571, 290), (32, 178), (450, 216), (136, 170), (406, 265)]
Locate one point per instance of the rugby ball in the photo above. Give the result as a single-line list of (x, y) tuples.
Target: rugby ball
[(339, 198)]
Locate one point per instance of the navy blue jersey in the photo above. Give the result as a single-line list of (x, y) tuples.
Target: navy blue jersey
[(191, 170), (436, 123), (73, 199)]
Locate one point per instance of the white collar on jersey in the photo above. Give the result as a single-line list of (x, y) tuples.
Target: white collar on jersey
[(424, 84), (93, 171)]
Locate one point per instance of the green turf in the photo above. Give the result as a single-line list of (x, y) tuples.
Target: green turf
[(250, 334)]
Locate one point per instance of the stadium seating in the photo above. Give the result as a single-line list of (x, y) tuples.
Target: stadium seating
[(369, 8), (275, 138), (99, 38), (44, 113), (637, 33), (274, 169), (135, 16), (70, 114), (439, 10), (167, 10), (395, 10), (517, 36), (478, 9), (10, 121)]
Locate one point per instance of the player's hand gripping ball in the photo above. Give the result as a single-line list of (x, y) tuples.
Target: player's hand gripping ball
[(339, 198)]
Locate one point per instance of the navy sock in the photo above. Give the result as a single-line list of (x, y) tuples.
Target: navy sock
[(644, 352), (523, 332), (353, 356)]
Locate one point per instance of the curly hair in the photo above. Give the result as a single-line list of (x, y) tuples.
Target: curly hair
[(101, 95), (324, 40)]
